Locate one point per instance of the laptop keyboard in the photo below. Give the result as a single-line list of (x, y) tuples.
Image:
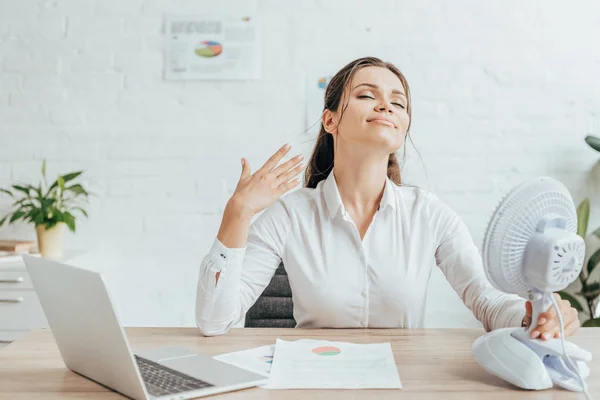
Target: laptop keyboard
[(161, 380)]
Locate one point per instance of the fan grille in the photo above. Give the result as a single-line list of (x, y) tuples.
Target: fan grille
[(513, 224)]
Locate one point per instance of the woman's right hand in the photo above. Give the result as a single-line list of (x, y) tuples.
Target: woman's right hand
[(257, 191)]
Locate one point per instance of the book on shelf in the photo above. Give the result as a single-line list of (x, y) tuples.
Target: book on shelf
[(12, 250), (16, 246)]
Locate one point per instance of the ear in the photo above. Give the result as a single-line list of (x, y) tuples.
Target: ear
[(329, 122)]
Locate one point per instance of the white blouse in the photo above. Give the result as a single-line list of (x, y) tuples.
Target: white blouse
[(339, 281)]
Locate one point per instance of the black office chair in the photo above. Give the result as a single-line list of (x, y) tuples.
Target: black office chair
[(274, 308)]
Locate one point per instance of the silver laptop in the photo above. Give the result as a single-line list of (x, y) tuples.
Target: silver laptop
[(92, 342)]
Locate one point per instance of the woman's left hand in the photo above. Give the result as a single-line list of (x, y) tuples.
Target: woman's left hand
[(548, 326)]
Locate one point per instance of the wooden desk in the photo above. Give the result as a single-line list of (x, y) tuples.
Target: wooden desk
[(433, 364)]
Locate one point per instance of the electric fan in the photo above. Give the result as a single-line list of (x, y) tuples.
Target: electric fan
[(531, 248)]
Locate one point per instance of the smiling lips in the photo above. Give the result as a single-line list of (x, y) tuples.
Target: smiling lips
[(382, 121)]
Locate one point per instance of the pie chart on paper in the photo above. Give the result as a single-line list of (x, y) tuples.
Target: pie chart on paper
[(208, 48), (326, 351)]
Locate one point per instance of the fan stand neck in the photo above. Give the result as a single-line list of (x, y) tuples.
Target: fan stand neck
[(540, 303)]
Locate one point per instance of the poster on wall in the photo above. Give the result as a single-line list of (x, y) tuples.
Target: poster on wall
[(219, 47), (316, 83)]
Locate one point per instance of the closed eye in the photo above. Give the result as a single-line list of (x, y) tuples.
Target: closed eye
[(373, 98)]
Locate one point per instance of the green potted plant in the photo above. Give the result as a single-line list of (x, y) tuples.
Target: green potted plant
[(49, 207), (590, 289)]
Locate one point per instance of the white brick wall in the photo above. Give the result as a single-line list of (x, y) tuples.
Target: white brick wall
[(502, 92)]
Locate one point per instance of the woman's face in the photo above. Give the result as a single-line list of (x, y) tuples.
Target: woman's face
[(376, 116)]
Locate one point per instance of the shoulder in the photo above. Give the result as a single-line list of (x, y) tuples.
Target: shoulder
[(426, 208), (420, 200), (300, 201)]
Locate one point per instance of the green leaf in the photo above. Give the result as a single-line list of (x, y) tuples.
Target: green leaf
[(50, 224), (66, 178), (593, 261), (61, 183), (597, 233), (37, 218), (594, 322), (16, 216), (69, 220), (583, 216), (3, 219), (44, 169), (71, 176), (80, 209), (591, 291), (22, 189), (21, 203), (77, 189), (8, 192), (52, 187), (593, 142), (48, 202), (574, 302)]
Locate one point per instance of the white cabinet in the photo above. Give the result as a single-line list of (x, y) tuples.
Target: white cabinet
[(20, 309)]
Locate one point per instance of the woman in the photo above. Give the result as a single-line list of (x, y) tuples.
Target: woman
[(357, 245)]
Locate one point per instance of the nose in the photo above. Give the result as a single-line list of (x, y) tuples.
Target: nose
[(385, 107)]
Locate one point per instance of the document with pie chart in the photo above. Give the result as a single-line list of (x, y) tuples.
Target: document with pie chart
[(206, 47), (320, 364)]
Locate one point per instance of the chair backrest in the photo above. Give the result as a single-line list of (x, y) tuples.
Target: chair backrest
[(274, 307)]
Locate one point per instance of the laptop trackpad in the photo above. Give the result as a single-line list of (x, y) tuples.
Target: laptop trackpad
[(212, 371)]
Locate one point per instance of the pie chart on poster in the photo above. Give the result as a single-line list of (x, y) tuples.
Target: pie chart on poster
[(208, 48)]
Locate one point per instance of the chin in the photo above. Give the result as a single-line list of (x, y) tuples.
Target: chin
[(389, 138), (386, 146)]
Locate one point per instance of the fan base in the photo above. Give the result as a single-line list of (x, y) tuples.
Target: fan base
[(532, 364)]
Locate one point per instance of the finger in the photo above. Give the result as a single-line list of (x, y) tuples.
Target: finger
[(569, 316), (285, 187), (570, 329), (547, 330), (557, 297), (546, 316), (274, 159), (567, 310), (291, 173), (552, 327), (286, 166), (245, 169), (552, 318)]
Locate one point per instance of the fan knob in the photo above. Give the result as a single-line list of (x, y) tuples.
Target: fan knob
[(553, 259)]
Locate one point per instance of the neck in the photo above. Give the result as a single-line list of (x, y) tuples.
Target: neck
[(360, 182)]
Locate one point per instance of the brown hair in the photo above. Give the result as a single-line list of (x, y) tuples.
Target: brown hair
[(321, 160)]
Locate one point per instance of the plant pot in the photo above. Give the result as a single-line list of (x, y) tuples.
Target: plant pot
[(50, 241)]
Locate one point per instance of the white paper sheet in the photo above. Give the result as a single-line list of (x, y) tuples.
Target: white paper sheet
[(333, 365), (257, 360)]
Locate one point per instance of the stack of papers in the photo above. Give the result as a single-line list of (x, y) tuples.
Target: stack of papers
[(320, 364)]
